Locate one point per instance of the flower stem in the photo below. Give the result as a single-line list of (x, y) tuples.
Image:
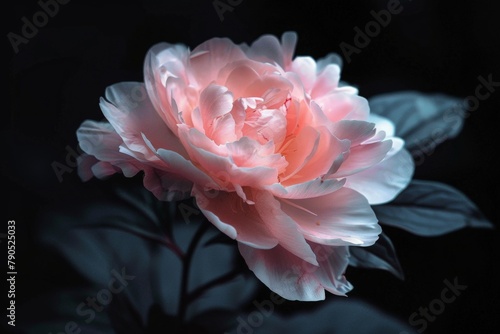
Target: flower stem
[(184, 295)]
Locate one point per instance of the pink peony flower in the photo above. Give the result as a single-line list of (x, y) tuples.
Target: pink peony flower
[(277, 153)]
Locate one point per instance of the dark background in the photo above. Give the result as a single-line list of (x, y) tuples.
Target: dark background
[(55, 80)]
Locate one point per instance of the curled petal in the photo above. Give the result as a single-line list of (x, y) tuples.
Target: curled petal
[(268, 48), (210, 57), (130, 112), (384, 181), (237, 219), (295, 279), (283, 227), (362, 157), (341, 218), (314, 188), (344, 106)]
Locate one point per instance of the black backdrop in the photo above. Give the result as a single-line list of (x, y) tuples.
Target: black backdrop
[(55, 79)]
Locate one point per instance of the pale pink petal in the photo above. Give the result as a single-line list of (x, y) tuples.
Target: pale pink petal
[(328, 151), (197, 120), (355, 131), (199, 140), (266, 125), (103, 169), (268, 49), (362, 157), (283, 273), (305, 68), (314, 188), (338, 106), (239, 78), (326, 81), (329, 59), (295, 279), (257, 177), (215, 160), (288, 42), (99, 139), (384, 181), (247, 152), (162, 62), (131, 114), (298, 151), (343, 217), (272, 87), (177, 164), (105, 158), (223, 130), (318, 116), (382, 124), (235, 218), (210, 57), (282, 226), (215, 101), (333, 262), (180, 101)]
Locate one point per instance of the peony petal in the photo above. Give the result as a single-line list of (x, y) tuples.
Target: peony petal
[(237, 219), (239, 78), (223, 130), (362, 157), (355, 131), (384, 181), (215, 101), (103, 144), (329, 149), (382, 124), (298, 151), (340, 218), (333, 262), (329, 59), (162, 61), (268, 49), (210, 57), (305, 68), (293, 278), (130, 112), (314, 188), (215, 161), (100, 140), (282, 226), (283, 273), (266, 125), (288, 42), (327, 81), (247, 152), (103, 169), (343, 105), (175, 163)]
